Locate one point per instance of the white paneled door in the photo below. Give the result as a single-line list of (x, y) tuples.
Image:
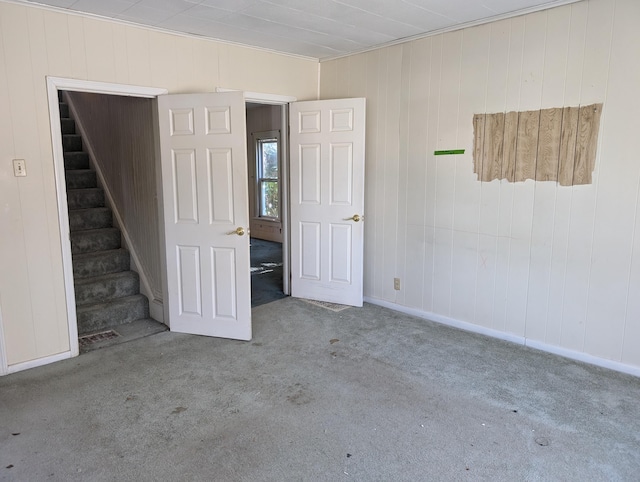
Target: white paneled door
[(206, 216), (327, 199)]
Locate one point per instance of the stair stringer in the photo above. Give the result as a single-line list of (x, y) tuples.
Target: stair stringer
[(156, 305)]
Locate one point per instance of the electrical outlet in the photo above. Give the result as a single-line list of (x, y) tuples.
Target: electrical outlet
[(19, 168), (396, 284)]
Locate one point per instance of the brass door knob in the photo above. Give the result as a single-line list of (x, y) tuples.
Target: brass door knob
[(238, 231), (355, 218)]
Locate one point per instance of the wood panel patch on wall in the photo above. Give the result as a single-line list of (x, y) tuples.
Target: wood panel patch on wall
[(558, 144)]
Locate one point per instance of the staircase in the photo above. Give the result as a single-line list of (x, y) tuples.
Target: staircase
[(107, 291)]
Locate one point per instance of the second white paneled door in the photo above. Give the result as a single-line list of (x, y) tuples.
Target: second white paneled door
[(206, 216), (327, 200)]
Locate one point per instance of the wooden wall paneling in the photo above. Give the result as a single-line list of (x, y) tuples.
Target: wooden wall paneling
[(548, 145), (391, 170), (431, 175), (575, 53), (416, 173), (539, 324), (567, 154), (206, 70), (576, 287), (344, 76), (77, 47), (357, 75), (329, 85), (493, 147), (371, 174), (527, 145), (55, 336), (446, 172), (137, 53), (542, 225), (616, 176), (533, 60), (17, 307), (619, 159), (184, 63), (597, 43), (27, 90), (586, 143), (478, 144), (487, 261), (502, 319), (162, 51), (474, 66), (98, 44), (510, 138), (121, 62), (380, 160), (403, 168), (57, 33), (532, 74), (630, 353)]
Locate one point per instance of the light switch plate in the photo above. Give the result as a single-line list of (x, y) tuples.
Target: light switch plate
[(19, 168)]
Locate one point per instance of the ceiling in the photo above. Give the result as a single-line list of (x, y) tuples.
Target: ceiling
[(311, 28)]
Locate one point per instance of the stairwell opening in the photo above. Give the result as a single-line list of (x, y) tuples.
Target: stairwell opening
[(108, 297)]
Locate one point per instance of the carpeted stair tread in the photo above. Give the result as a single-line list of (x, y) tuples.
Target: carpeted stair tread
[(81, 178), (76, 160), (99, 316), (107, 292), (91, 218), (72, 142), (64, 110), (89, 240), (68, 126), (85, 198), (99, 263), (106, 287)]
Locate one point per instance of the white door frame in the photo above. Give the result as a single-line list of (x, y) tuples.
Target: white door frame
[(55, 84), (283, 101)]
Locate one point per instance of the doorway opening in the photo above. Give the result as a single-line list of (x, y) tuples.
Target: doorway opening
[(267, 200), (56, 85)]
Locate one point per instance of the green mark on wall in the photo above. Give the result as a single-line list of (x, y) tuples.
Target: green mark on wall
[(449, 152)]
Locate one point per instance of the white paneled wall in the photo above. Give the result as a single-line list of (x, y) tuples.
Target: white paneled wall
[(34, 43), (557, 266)]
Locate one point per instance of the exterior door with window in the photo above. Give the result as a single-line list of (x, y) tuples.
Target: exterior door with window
[(327, 200), (206, 216)]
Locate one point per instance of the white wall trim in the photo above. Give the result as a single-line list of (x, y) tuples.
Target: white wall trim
[(262, 98), (501, 335), (54, 84), (38, 362)]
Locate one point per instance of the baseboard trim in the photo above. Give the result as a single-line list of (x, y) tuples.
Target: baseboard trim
[(156, 310), (38, 362), (501, 335)]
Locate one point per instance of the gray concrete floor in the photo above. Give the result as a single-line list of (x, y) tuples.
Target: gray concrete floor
[(364, 394)]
